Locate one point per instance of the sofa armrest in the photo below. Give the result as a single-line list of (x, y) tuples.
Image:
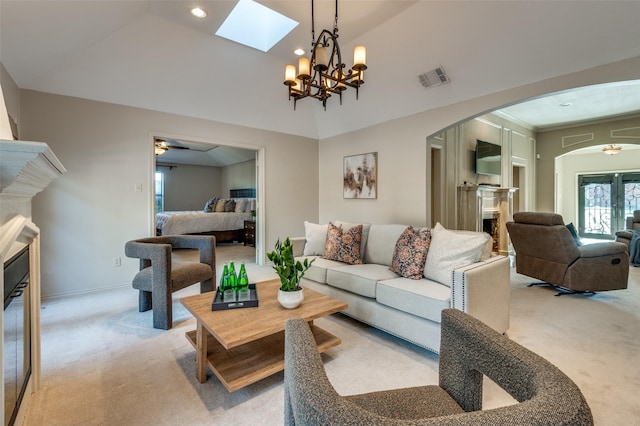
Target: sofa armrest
[(298, 245), (483, 290)]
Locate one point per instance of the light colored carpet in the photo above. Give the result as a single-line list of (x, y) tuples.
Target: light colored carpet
[(103, 363)]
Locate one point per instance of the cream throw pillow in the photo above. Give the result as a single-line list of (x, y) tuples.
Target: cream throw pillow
[(450, 250), (220, 206), (316, 236), (241, 205)]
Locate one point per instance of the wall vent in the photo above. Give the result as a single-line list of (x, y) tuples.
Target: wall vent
[(434, 77)]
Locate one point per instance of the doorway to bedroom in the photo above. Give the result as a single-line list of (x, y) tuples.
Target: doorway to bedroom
[(209, 188)]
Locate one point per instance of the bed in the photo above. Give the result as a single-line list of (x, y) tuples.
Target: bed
[(226, 226)]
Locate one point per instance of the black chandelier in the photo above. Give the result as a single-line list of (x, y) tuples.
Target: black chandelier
[(325, 74)]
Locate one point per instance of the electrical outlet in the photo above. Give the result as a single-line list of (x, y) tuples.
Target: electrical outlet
[(117, 261)]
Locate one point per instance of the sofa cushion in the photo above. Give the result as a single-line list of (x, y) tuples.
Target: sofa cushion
[(450, 250), (359, 279), (318, 270), (410, 253), (365, 233), (381, 242), (343, 246), (315, 236), (423, 298)]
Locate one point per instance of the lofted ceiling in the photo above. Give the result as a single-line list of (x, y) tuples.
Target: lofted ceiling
[(153, 54)]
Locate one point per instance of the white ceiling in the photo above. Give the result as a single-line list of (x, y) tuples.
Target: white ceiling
[(153, 54)]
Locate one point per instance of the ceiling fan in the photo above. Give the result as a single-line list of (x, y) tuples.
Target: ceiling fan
[(161, 146)]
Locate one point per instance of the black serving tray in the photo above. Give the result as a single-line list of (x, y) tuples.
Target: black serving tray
[(219, 305)]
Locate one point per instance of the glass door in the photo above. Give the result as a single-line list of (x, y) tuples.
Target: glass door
[(604, 201)]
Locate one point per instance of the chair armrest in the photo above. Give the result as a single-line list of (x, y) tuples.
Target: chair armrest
[(298, 245), (625, 233), (470, 349), (158, 253), (206, 245), (483, 290), (602, 249)]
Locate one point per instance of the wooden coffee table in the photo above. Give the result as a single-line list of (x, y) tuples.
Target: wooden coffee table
[(248, 343)]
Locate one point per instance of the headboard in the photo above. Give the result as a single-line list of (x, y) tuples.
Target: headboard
[(243, 193)]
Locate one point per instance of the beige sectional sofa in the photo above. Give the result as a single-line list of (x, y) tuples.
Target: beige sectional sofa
[(460, 272)]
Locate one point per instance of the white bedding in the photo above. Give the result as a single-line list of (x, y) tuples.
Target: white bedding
[(191, 222)]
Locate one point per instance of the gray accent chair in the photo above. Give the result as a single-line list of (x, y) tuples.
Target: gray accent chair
[(546, 250), (159, 276), (469, 349)]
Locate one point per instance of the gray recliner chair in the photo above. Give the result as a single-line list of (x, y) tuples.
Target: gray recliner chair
[(469, 349), (546, 250), (159, 276)]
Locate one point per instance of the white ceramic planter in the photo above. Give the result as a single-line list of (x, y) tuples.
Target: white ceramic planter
[(290, 299)]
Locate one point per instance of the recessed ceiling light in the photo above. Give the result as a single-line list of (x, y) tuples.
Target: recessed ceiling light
[(198, 13), (566, 104), (255, 25), (299, 52)]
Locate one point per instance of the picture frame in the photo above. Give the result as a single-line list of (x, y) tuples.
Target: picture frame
[(360, 176)]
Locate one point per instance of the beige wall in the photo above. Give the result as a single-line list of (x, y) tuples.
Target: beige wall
[(238, 176), (404, 161), (552, 144), (11, 94), (188, 187), (88, 214)]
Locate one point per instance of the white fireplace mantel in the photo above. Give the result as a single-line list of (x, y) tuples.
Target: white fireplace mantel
[(26, 168)]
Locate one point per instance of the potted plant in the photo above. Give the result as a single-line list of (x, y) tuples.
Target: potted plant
[(290, 271)]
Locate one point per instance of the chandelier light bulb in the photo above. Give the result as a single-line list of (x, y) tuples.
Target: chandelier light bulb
[(304, 68), (359, 58), (289, 75)]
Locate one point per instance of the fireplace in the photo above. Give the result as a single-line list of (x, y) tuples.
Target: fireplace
[(17, 333), (26, 168), (491, 225), (487, 209)]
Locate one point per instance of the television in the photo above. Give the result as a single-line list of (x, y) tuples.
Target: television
[(488, 158)]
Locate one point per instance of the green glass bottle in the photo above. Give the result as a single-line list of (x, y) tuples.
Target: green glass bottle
[(243, 279), (224, 279), (233, 278)]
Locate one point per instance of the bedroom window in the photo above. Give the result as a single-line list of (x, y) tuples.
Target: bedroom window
[(159, 191)]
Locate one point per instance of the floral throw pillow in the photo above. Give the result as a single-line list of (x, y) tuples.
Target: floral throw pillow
[(410, 253), (343, 246)]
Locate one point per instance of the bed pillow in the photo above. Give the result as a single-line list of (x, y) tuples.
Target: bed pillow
[(220, 205), (316, 236), (410, 253), (230, 206), (241, 205), (343, 246), (210, 205), (450, 250)]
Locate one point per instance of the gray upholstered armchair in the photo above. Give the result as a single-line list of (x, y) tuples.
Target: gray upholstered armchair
[(469, 349), (159, 276), (546, 250)]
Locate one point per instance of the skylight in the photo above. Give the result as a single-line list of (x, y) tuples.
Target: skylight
[(255, 25)]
